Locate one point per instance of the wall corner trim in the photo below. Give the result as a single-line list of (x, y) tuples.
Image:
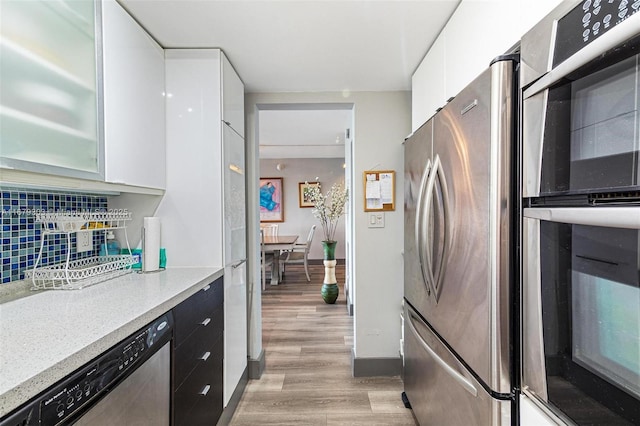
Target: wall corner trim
[(256, 366), (370, 367)]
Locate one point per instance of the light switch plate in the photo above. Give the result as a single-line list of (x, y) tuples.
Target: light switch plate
[(376, 220), (84, 241)]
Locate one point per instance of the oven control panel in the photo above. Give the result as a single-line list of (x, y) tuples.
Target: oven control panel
[(80, 390), (588, 21)]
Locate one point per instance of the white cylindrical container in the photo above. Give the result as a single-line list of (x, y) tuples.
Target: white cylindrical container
[(151, 242)]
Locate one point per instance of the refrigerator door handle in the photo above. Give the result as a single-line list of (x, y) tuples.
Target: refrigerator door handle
[(446, 243), (437, 173), (460, 379), (420, 234)]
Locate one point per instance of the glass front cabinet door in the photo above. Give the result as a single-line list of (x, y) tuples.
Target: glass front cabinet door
[(49, 87)]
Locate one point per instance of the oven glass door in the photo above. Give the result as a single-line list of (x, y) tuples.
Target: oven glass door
[(590, 300), (591, 136)]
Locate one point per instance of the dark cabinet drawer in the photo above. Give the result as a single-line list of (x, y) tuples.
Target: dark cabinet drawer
[(198, 357), (190, 314), (198, 345), (198, 401)]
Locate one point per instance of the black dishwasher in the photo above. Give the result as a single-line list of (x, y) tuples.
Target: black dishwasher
[(128, 383)]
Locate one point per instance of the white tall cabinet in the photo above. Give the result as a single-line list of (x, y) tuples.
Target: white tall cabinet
[(203, 210), (134, 102)]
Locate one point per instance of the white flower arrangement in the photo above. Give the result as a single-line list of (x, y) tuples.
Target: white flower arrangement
[(328, 208)]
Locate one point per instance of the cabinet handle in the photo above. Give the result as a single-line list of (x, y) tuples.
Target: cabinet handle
[(207, 287), (206, 322), (205, 356), (205, 390)]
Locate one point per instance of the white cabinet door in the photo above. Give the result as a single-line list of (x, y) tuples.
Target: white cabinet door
[(48, 88), (235, 327), (234, 196), (428, 85), (477, 32), (191, 209), (232, 97), (532, 11), (134, 102)]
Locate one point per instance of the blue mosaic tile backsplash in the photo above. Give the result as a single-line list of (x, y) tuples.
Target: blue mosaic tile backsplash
[(21, 235)]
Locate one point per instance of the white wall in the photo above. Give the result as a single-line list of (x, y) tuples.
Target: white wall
[(298, 221), (381, 122), (478, 31)]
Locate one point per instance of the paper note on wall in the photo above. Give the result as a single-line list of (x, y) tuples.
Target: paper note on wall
[(373, 189), (386, 188)]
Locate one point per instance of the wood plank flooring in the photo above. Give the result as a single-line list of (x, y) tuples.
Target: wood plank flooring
[(307, 378)]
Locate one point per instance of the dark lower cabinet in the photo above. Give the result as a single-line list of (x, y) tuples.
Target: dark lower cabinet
[(198, 353)]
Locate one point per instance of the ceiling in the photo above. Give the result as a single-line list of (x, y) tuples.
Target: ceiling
[(303, 46)]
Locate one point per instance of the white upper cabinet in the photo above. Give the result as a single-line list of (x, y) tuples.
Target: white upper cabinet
[(428, 85), (134, 102), (477, 32), (532, 11), (232, 97), (48, 88)]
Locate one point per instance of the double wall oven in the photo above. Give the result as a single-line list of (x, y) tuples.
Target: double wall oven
[(581, 212)]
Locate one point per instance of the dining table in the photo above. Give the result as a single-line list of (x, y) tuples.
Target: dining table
[(276, 244)]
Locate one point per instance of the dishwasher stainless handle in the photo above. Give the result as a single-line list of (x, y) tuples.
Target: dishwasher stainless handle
[(205, 356), (462, 381), (206, 322), (205, 390)]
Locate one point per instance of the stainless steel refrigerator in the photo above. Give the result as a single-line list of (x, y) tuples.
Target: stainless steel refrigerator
[(460, 177)]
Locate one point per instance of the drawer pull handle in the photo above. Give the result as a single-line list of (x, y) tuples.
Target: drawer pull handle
[(205, 390), (206, 322), (207, 287), (205, 356)]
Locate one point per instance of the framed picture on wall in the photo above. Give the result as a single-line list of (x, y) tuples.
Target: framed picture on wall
[(271, 200), (303, 194)]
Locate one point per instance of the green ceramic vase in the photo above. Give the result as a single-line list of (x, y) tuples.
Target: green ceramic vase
[(330, 288)]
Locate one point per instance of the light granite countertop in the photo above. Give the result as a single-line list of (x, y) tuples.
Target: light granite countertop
[(49, 334)]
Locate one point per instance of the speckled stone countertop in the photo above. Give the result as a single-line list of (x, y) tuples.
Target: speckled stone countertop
[(49, 334)]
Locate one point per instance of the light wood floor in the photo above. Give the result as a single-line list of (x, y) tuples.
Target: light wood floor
[(307, 378)]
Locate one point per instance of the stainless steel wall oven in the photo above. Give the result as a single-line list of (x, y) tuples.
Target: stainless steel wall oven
[(581, 227)]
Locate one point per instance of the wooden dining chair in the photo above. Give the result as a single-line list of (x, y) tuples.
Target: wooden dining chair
[(269, 229), (299, 254)]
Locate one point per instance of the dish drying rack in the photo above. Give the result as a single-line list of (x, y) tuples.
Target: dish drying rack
[(84, 272)]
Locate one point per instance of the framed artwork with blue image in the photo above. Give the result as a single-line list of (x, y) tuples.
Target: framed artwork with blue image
[(271, 200)]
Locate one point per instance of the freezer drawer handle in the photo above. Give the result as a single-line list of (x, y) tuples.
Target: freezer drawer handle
[(205, 390), (462, 381)]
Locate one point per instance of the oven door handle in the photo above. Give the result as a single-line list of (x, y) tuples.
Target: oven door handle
[(607, 41), (610, 217)]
